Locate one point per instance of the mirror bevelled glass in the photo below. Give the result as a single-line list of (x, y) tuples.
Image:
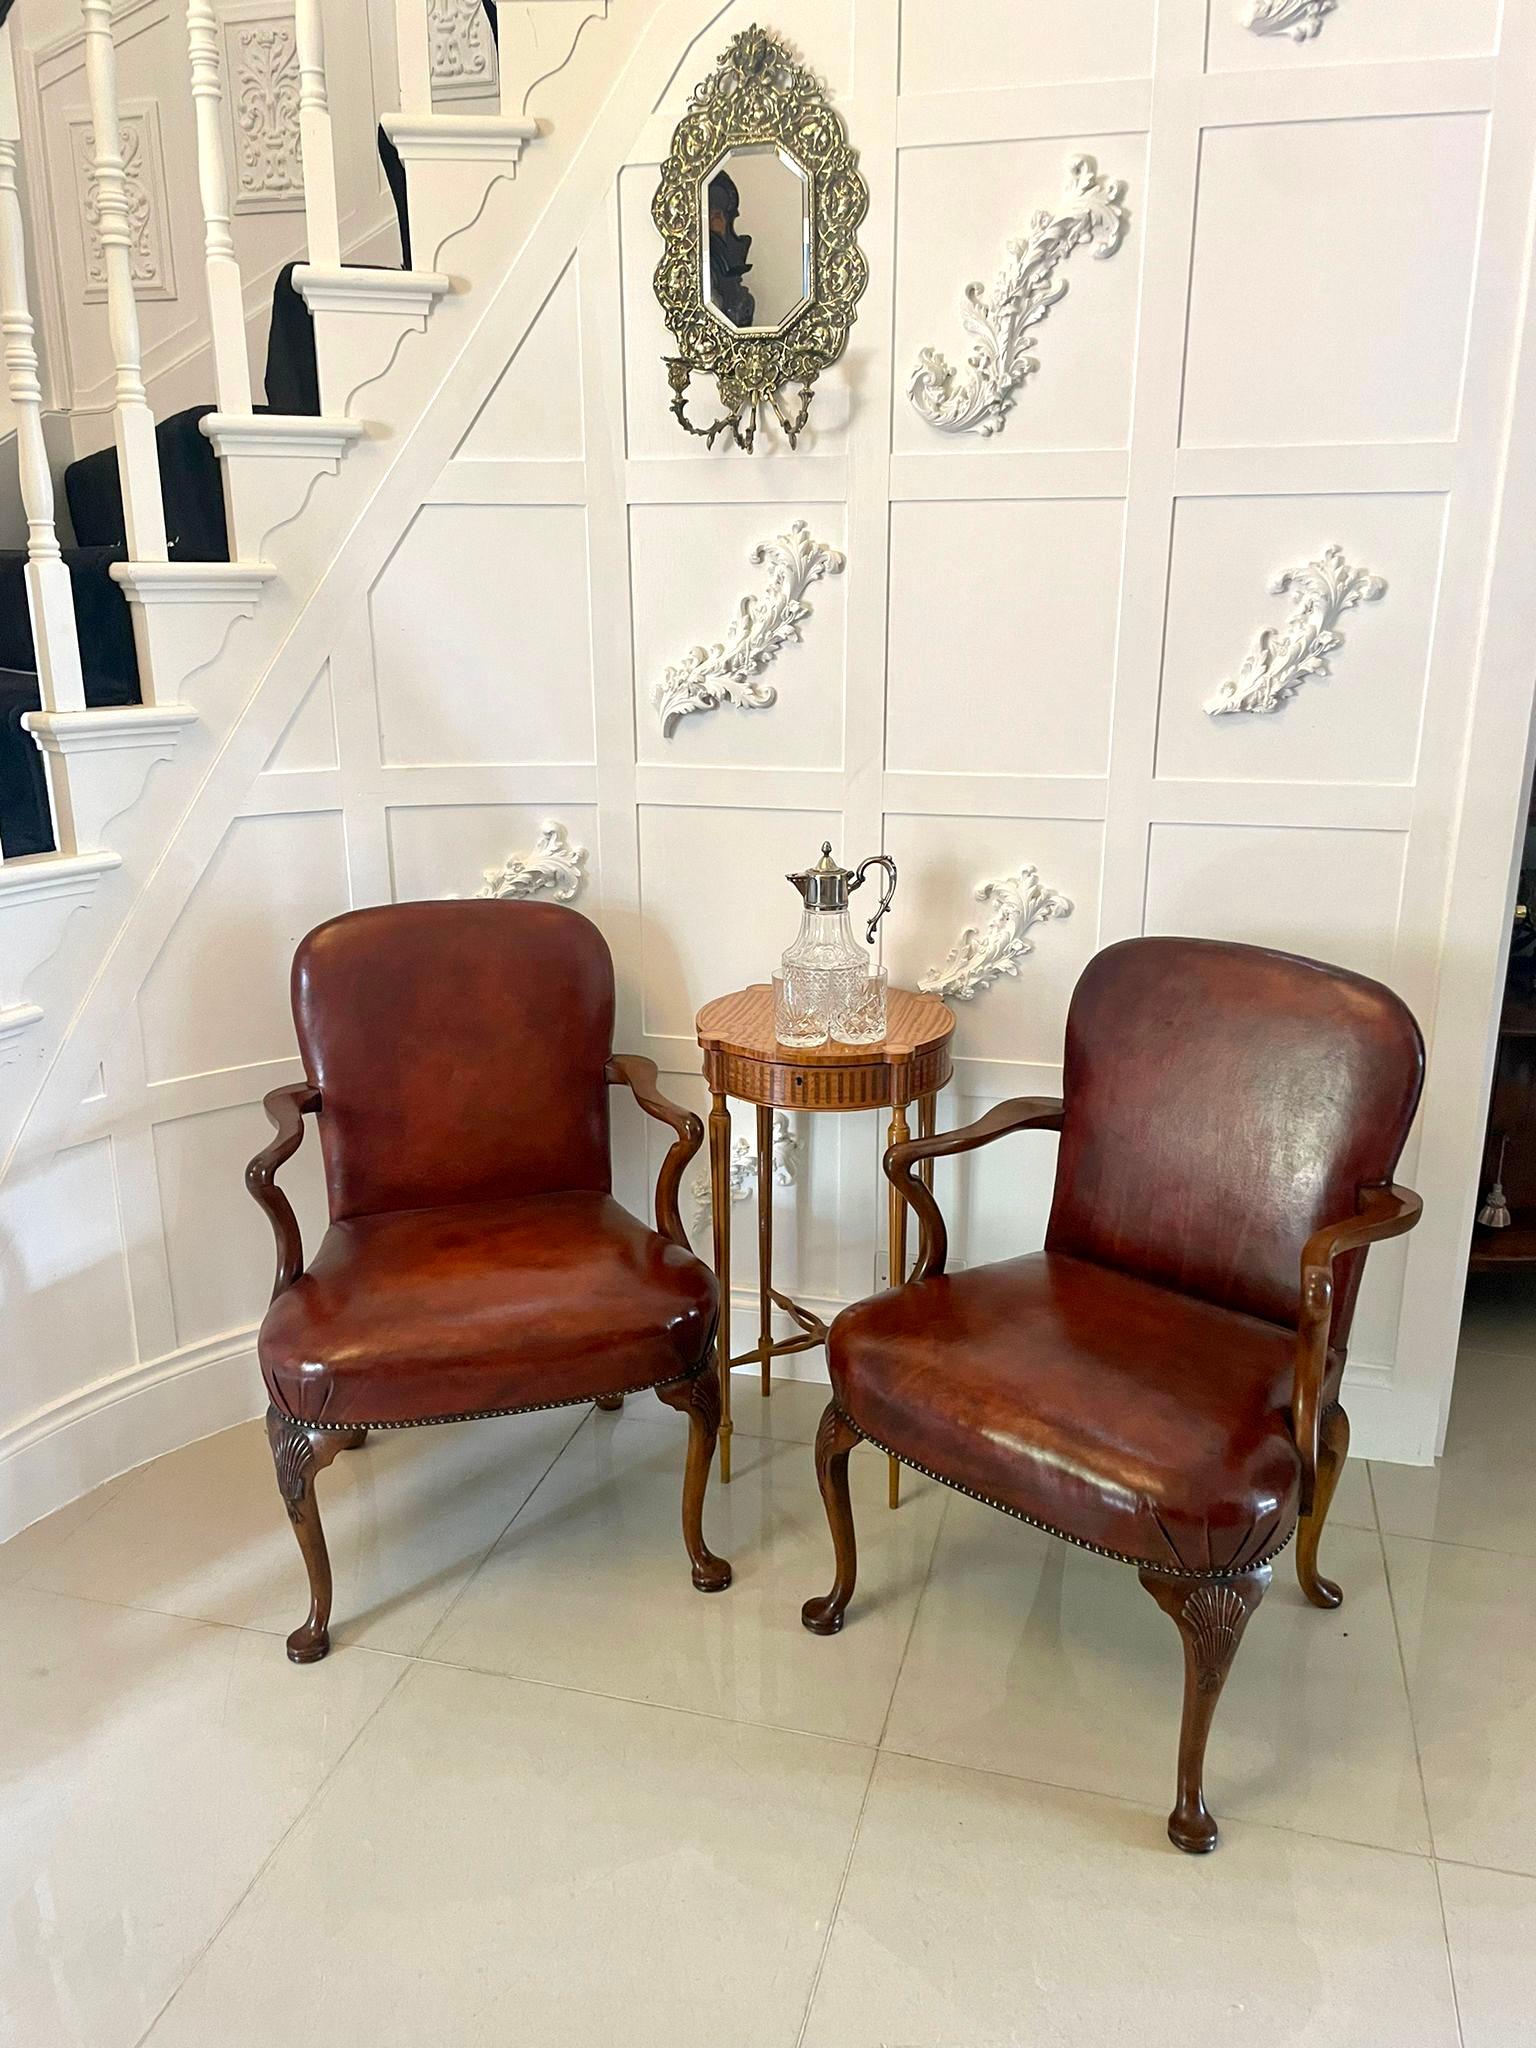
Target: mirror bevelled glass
[(755, 239)]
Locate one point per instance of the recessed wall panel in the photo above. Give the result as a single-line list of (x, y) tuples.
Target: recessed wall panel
[(1350, 244), (534, 410), (64, 1303), (1002, 636), (691, 569), (217, 996), (1360, 722), (957, 210), (716, 911), (942, 862), (1331, 894), (218, 1244), (977, 45), (482, 645), (438, 850)]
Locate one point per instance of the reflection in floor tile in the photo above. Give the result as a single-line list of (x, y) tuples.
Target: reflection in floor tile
[(147, 1766), (1490, 1917), (981, 1912), (1481, 1491), (1038, 1659), (590, 1585), (203, 1533), (1467, 1622), (504, 1863)]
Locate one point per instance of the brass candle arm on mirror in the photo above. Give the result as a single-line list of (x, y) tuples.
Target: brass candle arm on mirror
[(758, 207)]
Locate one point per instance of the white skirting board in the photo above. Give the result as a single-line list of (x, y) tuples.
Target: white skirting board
[(57, 1453)]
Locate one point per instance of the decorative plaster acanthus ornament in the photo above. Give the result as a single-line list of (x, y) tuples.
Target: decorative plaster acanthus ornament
[(728, 672), (786, 1157), (985, 953), (553, 868), (1283, 659), (979, 398), (1298, 19)]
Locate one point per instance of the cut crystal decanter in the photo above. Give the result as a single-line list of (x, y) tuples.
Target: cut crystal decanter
[(828, 986)]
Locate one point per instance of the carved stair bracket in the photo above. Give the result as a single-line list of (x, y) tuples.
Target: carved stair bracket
[(978, 398), (1298, 19), (786, 1161), (1284, 658), (553, 868), (729, 672), (985, 953)]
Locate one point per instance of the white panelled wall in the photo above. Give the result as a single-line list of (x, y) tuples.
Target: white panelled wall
[(1306, 339)]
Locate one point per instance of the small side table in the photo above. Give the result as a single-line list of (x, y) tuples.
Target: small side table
[(743, 1058)]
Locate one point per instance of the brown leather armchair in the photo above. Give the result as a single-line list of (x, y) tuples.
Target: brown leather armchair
[(476, 1262), (1160, 1384)]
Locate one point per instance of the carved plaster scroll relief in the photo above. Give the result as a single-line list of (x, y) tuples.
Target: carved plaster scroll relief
[(984, 953), (1285, 657), (554, 867)]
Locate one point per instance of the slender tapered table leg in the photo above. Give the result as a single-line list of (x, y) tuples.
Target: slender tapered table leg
[(765, 1243), (897, 1211), (720, 1204)]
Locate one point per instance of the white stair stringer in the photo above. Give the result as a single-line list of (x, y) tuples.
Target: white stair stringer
[(244, 666)]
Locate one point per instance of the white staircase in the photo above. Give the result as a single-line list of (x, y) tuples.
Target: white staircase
[(226, 651)]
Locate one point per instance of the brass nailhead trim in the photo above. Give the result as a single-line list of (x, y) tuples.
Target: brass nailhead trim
[(673, 1379), (1145, 1564)]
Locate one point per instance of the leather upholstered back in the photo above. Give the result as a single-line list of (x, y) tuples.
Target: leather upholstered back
[(1222, 1103), (459, 1049)]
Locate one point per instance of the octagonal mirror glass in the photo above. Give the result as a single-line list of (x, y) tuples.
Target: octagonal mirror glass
[(755, 238)]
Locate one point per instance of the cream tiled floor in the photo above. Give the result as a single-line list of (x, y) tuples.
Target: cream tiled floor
[(544, 1794)]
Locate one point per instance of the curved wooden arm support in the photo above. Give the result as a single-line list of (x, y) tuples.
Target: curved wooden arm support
[(1384, 1212), (286, 1110), (1022, 1113), (639, 1076)]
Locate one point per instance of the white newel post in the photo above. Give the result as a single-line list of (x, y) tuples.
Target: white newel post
[(413, 56), (49, 599), (322, 225), (226, 303)]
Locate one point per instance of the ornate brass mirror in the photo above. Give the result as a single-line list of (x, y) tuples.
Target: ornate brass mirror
[(757, 207)]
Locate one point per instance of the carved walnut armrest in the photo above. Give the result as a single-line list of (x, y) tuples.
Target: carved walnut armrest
[(286, 1109), (1385, 1211), (639, 1076), (1023, 1113)]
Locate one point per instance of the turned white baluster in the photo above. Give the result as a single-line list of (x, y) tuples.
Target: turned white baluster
[(321, 222), (48, 592), (413, 56), (49, 601), (133, 422), (226, 302)]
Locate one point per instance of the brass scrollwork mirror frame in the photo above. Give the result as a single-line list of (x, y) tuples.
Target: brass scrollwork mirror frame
[(757, 93)]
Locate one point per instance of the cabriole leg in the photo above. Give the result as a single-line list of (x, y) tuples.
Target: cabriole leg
[(834, 1440), (1333, 1449), (298, 1454), (699, 1399), (1210, 1615)]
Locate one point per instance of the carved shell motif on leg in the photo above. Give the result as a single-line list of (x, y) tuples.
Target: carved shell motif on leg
[(979, 397)]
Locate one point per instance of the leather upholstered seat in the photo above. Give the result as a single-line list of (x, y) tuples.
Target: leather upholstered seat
[(1118, 1414), (429, 1314)]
